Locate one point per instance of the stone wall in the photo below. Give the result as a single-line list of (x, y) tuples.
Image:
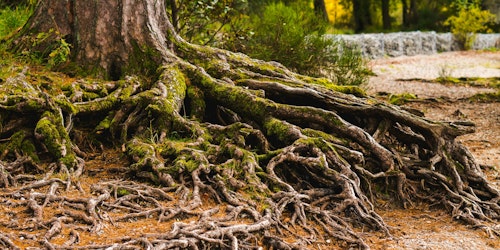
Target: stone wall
[(412, 43)]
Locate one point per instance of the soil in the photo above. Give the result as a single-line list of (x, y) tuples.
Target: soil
[(419, 227), (422, 228)]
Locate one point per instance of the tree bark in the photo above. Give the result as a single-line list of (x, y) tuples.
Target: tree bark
[(110, 38), (413, 12), (361, 14), (406, 22), (320, 9), (386, 17), (279, 149)]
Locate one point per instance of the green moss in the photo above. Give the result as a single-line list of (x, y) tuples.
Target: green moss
[(400, 99), (165, 109), (346, 89), (122, 192), (104, 124), (69, 159), (197, 102), (29, 149), (50, 135), (189, 165), (18, 142), (317, 133), (90, 96), (33, 105), (143, 61), (107, 103), (16, 139), (448, 79), (278, 129), (66, 105), (269, 155), (486, 97), (139, 149), (239, 99), (353, 90), (55, 138)]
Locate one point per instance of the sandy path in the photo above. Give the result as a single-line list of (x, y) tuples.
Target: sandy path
[(423, 228), (390, 72)]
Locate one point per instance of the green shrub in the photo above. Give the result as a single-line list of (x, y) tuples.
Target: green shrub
[(12, 19), (205, 21), (400, 99), (293, 36), (280, 35), (264, 29), (469, 20)]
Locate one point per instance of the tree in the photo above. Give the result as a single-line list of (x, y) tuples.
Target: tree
[(320, 9), (386, 18), (469, 20), (410, 13), (279, 150), (361, 14)]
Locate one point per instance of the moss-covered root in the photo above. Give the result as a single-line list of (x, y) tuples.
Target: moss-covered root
[(147, 162), (52, 134)]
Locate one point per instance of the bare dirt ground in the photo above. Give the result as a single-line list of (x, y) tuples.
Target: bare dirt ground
[(422, 228)]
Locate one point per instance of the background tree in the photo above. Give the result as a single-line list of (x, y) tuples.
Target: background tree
[(281, 153), (469, 20), (386, 17), (320, 9), (361, 14)]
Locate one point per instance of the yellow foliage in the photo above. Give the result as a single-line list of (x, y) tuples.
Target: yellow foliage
[(337, 13)]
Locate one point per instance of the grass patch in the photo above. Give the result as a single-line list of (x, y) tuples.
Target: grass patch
[(400, 99), (12, 19), (489, 82), (486, 97)]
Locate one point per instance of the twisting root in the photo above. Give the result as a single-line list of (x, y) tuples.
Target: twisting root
[(280, 154)]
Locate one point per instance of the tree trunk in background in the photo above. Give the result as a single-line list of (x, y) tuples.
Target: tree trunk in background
[(386, 18), (413, 13), (406, 20), (320, 9), (361, 14)]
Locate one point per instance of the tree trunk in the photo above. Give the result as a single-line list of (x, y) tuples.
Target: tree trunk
[(361, 14), (386, 18), (110, 38), (413, 12), (282, 151), (320, 9), (406, 22)]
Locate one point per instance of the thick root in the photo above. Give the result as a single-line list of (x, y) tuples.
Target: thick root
[(279, 153)]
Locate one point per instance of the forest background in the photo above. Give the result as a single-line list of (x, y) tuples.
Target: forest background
[(291, 31)]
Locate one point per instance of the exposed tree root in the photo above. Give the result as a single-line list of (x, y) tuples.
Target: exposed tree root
[(280, 153)]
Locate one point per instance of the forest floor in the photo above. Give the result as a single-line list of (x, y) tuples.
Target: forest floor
[(468, 73), (420, 227)]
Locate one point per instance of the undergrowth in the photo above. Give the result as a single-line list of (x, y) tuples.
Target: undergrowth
[(12, 19)]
